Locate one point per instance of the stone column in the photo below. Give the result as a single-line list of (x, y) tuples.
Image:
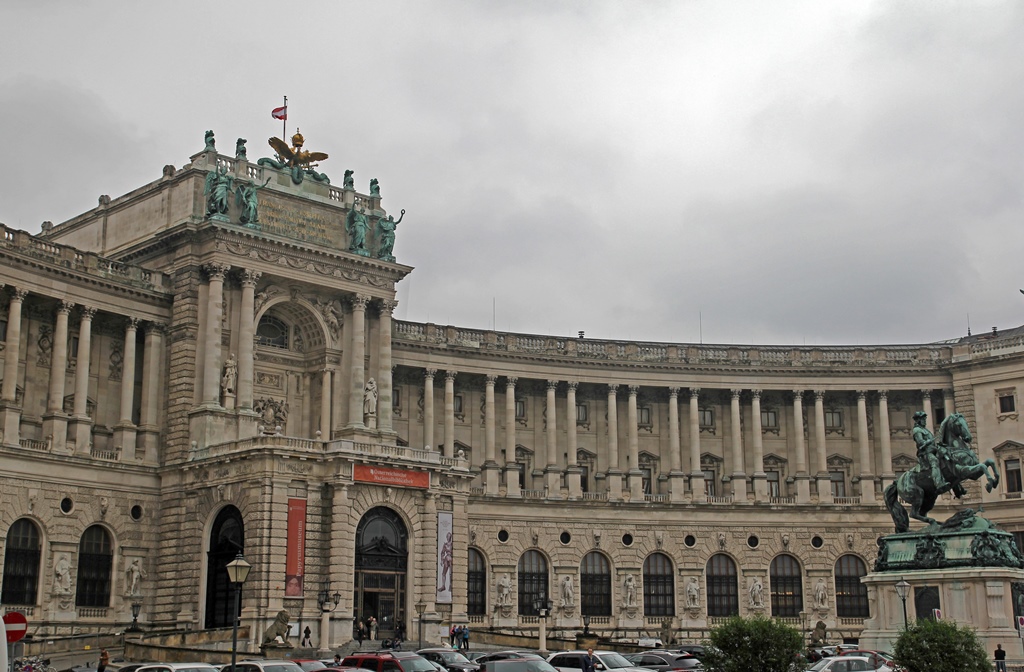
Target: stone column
[(614, 473), (246, 334), (428, 409), (326, 403), (9, 391), (490, 467), (573, 471), (885, 439), (760, 478), (948, 402), (552, 472), (385, 401), (152, 386), (697, 492), (802, 478), (358, 381), (212, 335), (512, 488), (81, 423), (739, 474), (124, 432), (449, 413), (677, 479), (824, 481), (635, 476), (926, 406), (867, 476), (55, 422)]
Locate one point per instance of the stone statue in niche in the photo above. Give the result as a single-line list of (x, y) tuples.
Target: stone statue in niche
[(370, 398), (230, 376), (504, 591), (693, 594), (568, 591), (757, 593), (62, 576), (821, 595), (133, 575), (629, 591)]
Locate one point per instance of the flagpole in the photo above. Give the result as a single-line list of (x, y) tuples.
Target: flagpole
[(284, 122)]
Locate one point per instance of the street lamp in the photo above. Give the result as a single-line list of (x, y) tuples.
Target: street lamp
[(327, 604), (586, 624), (238, 572), (136, 609), (420, 608), (902, 591), (542, 606)]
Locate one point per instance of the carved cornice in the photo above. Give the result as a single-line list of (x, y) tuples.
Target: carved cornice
[(86, 313), (65, 306), (216, 271)]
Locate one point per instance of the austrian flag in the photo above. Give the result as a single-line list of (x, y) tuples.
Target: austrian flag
[(280, 113)]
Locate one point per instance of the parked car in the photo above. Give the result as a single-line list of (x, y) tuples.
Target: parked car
[(308, 664), (451, 660), (877, 658), (664, 661), (177, 667), (695, 650), (572, 661), (531, 664), (389, 661), (507, 655), (252, 665), (847, 664)]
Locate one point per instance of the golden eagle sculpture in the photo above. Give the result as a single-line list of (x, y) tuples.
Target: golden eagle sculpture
[(299, 161)]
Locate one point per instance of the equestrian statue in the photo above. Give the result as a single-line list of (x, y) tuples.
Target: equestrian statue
[(943, 463)]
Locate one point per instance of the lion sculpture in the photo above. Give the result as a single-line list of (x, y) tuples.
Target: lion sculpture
[(278, 630)]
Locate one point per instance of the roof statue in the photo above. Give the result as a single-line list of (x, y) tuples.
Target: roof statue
[(300, 161)]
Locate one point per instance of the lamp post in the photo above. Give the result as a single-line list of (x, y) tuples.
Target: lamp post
[(327, 603), (238, 572), (136, 609), (586, 624), (420, 608), (542, 606), (902, 591)]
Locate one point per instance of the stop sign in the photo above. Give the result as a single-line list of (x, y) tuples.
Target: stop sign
[(16, 626)]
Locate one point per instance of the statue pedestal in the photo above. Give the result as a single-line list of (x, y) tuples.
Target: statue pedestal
[(980, 597)]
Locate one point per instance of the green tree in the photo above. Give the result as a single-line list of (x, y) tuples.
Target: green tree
[(762, 644), (940, 646)]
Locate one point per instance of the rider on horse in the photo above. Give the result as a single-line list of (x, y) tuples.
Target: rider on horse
[(927, 450)]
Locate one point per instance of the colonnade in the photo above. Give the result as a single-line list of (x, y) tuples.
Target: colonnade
[(744, 448), (74, 432)]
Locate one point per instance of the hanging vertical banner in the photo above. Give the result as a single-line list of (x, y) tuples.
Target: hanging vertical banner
[(445, 558), (295, 554)]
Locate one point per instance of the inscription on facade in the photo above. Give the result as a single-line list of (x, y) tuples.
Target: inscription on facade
[(322, 227)]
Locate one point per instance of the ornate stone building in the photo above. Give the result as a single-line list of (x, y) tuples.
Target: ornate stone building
[(180, 387)]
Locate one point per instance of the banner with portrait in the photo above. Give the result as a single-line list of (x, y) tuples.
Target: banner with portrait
[(445, 558), (295, 552)]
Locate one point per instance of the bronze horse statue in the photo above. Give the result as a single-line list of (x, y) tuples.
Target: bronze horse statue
[(957, 461)]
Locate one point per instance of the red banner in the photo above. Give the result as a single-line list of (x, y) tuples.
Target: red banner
[(295, 555), (391, 476)]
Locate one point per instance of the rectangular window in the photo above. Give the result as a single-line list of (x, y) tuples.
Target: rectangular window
[(585, 478), (769, 420), (396, 397), (838, 479), (581, 412), (73, 350), (709, 483), (1007, 404), (458, 403), (938, 415), (520, 409), (833, 419), (1013, 480), (646, 481), (644, 416), (707, 417), (774, 490)]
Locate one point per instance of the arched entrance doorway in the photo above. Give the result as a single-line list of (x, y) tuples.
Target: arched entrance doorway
[(227, 540), (382, 552)]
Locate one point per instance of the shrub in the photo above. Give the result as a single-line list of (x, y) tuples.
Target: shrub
[(745, 644), (940, 646)]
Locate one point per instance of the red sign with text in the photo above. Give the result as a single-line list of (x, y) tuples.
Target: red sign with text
[(390, 476), (295, 555), (16, 626)]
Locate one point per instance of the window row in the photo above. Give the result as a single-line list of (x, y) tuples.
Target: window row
[(721, 586)]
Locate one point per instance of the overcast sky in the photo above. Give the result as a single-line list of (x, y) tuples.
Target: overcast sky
[(738, 172)]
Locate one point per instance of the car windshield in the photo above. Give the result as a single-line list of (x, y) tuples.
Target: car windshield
[(417, 664), (454, 657), (820, 665), (613, 661)]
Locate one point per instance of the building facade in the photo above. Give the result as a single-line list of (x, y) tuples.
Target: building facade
[(185, 380)]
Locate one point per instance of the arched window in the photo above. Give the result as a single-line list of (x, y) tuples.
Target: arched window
[(21, 564), (787, 587), (851, 594), (722, 590), (595, 585), (476, 582), (533, 581), (273, 332), (659, 593), (227, 540), (95, 560)]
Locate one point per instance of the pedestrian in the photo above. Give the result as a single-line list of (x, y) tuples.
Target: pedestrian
[(465, 638), (104, 660), (1000, 658), (337, 660), (451, 636), (306, 643), (373, 628), (588, 661), (361, 633)]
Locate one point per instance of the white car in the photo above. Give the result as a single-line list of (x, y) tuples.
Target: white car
[(572, 661), (847, 664)]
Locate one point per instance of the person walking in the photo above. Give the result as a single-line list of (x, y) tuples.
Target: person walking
[(361, 633), (452, 632), (104, 660), (465, 638), (1000, 658), (373, 628)]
